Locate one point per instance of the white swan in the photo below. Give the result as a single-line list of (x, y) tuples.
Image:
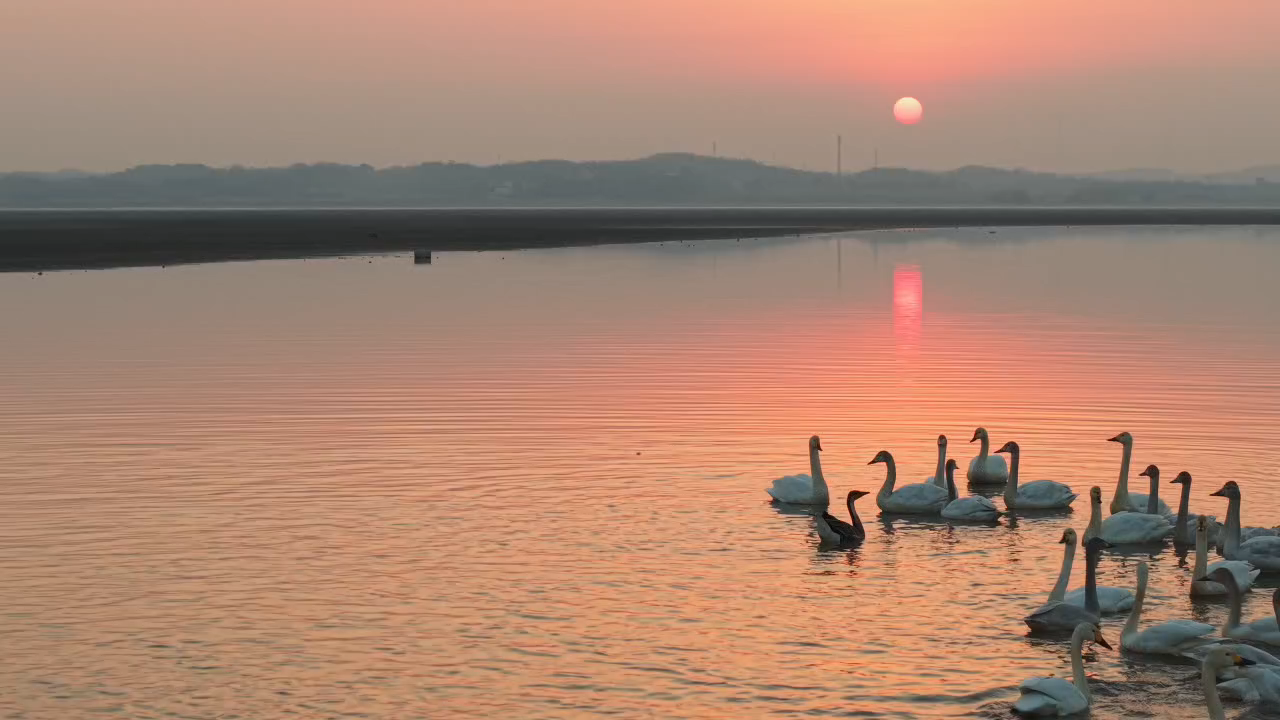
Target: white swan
[(1057, 616), (1219, 659), (1054, 696), (804, 489), (1244, 573), (1174, 637), (1038, 495), (1125, 501), (915, 499), (834, 531), (1262, 552), (1110, 599), (974, 508), (1124, 528), (1265, 630), (986, 469)]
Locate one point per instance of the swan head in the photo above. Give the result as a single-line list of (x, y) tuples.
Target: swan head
[(855, 494), (1009, 447), (1096, 632), (1183, 478), (884, 456), (942, 441), (1231, 491), (1202, 524), (1096, 545), (1152, 472), (1224, 657), (979, 434), (1095, 495), (952, 465), (1123, 438), (815, 443), (1068, 537)]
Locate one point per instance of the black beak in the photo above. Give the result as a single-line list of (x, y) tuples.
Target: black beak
[(818, 447), (1144, 473), (976, 435), (1246, 661), (1218, 493), (1103, 642), (1114, 439)]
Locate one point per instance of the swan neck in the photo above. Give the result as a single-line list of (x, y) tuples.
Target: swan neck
[(890, 478), (1091, 583), (1202, 555), (1139, 594), (1011, 489), (1184, 510), (1153, 495), (983, 449), (1209, 681), (939, 473), (815, 467), (1236, 602), (1232, 544), (1122, 485), (952, 493), (1077, 663), (1059, 591), (853, 516), (1094, 528)]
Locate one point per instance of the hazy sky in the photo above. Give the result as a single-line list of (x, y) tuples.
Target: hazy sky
[(1047, 84)]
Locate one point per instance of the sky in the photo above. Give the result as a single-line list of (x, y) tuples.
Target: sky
[(1058, 85)]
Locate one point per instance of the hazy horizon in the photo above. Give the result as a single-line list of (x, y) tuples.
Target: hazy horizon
[(1068, 87)]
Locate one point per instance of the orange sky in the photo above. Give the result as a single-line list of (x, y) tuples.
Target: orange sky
[(1083, 84)]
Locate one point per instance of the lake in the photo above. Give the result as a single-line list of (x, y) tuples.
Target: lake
[(531, 484)]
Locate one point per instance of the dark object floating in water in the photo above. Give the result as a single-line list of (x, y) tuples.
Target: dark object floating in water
[(421, 257)]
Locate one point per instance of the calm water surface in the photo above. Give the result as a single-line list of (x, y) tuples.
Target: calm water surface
[(531, 485)]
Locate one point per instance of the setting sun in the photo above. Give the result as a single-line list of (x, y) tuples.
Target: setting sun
[(908, 110)]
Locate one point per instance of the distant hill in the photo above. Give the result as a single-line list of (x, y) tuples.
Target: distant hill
[(661, 180)]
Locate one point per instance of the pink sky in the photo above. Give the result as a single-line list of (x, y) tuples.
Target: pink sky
[(1079, 85)]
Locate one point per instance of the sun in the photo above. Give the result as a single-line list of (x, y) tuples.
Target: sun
[(908, 110)]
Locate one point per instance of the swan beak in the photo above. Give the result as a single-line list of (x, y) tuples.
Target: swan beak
[(1114, 439), (1102, 641), (860, 493), (817, 446), (976, 434), (1244, 661), (1218, 493), (1144, 473)]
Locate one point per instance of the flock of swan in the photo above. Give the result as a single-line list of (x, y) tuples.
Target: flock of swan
[(1229, 666)]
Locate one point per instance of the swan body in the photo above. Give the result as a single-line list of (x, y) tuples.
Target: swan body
[(1243, 572), (1123, 500), (804, 489), (1054, 696), (1038, 495), (986, 469), (1124, 528), (916, 499), (1218, 659), (1058, 615), (1173, 637), (1265, 630), (1184, 525), (834, 531), (1262, 552), (974, 508), (1110, 599)]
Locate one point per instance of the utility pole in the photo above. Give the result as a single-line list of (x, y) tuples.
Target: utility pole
[(839, 155)]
